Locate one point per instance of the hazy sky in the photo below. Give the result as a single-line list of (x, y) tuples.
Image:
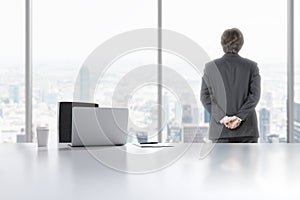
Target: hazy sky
[(71, 29), (263, 23), (12, 32)]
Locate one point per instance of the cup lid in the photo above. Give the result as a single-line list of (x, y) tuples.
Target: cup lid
[(42, 128)]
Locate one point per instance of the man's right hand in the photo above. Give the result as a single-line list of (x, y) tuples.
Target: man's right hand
[(232, 122)]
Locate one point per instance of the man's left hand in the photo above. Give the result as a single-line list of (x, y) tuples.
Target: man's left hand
[(233, 122)]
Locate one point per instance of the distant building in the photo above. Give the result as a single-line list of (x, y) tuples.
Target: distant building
[(273, 138), (5, 100), (13, 92), (195, 117), (42, 95), (264, 124), (177, 111), (297, 122), (43, 91), (174, 133), (267, 99), (21, 137), (51, 99), (165, 102), (187, 114), (206, 116), (142, 137), (194, 133), (84, 84)]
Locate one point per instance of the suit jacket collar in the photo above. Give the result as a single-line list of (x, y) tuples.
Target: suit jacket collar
[(231, 55)]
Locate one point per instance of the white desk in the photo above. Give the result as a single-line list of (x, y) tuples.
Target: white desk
[(235, 171)]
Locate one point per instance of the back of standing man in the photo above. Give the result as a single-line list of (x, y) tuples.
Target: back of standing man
[(235, 120)]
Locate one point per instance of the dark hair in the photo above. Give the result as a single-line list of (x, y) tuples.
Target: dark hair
[(232, 40)]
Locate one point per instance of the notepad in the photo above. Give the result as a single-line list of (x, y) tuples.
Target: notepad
[(153, 145)]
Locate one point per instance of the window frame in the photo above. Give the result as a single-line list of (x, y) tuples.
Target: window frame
[(29, 56)]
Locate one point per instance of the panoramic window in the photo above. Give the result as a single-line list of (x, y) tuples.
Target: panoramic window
[(12, 68), (63, 41), (265, 42)]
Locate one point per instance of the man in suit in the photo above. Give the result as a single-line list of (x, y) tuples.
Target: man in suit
[(230, 92)]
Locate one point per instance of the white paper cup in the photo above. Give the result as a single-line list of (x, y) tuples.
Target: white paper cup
[(42, 136)]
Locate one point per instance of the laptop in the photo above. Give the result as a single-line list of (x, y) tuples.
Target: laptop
[(99, 126), (65, 119)]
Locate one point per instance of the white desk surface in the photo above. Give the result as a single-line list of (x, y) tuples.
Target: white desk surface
[(231, 171)]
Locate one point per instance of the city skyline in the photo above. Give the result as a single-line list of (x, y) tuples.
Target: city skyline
[(48, 92)]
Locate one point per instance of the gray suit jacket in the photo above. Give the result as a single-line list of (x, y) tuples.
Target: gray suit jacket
[(231, 86)]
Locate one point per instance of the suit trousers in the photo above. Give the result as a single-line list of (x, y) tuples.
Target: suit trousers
[(236, 140)]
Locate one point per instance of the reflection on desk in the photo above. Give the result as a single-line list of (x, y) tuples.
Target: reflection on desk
[(231, 171)]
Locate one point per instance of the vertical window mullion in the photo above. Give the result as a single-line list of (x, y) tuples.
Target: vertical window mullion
[(28, 70), (159, 72), (290, 70)]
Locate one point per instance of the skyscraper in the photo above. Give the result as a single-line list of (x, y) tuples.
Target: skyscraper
[(174, 133), (165, 102), (297, 122), (178, 114), (195, 117), (187, 114), (264, 124), (13, 92)]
